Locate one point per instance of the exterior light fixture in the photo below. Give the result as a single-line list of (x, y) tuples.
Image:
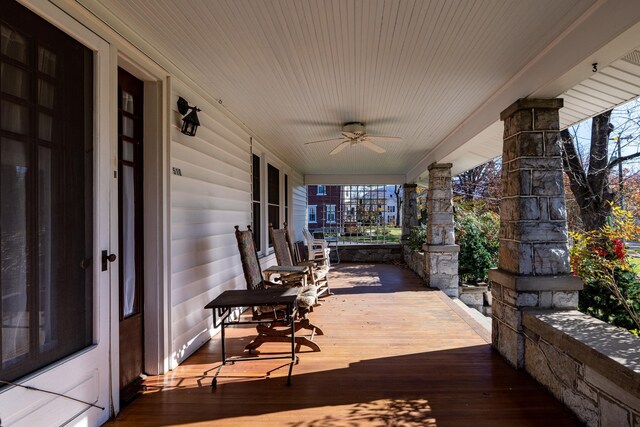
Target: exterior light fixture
[(190, 121)]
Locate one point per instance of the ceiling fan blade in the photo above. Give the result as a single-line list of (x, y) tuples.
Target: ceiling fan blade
[(340, 147), (324, 140), (371, 146), (384, 138)]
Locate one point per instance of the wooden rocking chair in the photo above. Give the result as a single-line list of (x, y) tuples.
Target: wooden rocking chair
[(278, 330), (287, 255)]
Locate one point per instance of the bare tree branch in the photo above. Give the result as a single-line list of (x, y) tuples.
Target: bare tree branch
[(622, 159)]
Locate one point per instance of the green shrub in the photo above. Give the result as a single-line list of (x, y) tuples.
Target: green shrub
[(612, 289), (598, 302), (477, 234), (417, 237)]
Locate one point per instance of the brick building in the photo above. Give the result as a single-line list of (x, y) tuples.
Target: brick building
[(323, 206)]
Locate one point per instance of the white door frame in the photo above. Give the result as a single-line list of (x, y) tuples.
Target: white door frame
[(157, 338)]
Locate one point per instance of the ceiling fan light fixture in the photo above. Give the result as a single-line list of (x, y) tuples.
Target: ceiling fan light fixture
[(354, 133)]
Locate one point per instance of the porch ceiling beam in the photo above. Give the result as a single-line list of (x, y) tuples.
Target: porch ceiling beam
[(355, 179), (605, 32)]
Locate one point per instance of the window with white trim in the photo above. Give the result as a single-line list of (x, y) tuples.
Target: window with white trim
[(331, 213), (257, 206), (312, 213), (273, 197), (322, 190)]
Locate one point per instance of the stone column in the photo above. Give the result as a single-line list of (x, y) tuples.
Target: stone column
[(409, 210), (533, 269), (440, 250)]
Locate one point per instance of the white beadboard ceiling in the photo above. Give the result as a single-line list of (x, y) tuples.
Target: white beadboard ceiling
[(294, 71)]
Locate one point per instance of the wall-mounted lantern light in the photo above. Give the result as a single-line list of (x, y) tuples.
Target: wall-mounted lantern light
[(190, 121)]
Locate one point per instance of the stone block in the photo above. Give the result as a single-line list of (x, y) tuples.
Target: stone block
[(440, 206), (531, 103), (636, 420), (509, 209), (442, 262), (537, 163), (529, 208), (451, 292), (565, 299), (527, 299), (512, 317), (507, 230), (543, 205), (496, 291), (583, 407), (525, 259), (564, 367), (440, 218), (440, 169), (510, 297), (495, 332), (605, 383), (530, 144), (586, 390), (498, 310), (521, 120), (516, 257), (535, 363), (551, 258), (440, 235), (439, 193), (507, 258), (509, 151), (547, 183), (612, 414), (510, 345), (536, 231), (471, 298), (442, 281), (519, 183), (545, 299), (552, 144), (546, 119), (557, 208)]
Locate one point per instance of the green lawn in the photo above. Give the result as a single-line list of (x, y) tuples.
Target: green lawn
[(392, 235)]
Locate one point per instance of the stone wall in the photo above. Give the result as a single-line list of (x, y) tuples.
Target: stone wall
[(414, 260), (369, 253), (590, 366)]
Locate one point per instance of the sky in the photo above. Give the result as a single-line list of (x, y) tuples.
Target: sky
[(626, 120)]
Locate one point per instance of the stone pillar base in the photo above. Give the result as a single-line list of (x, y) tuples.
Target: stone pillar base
[(512, 294), (441, 268)]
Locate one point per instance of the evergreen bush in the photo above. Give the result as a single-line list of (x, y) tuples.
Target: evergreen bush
[(477, 233), (417, 237)]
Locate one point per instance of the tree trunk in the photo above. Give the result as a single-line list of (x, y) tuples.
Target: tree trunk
[(591, 187)]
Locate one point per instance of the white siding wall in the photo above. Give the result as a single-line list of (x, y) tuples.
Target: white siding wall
[(299, 207), (212, 195)]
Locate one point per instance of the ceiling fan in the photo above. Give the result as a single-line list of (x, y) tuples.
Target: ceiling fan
[(354, 133)]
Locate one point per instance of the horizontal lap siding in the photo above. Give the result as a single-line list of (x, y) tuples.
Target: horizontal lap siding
[(299, 208), (212, 195)]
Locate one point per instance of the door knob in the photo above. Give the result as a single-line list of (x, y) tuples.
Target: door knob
[(107, 258)]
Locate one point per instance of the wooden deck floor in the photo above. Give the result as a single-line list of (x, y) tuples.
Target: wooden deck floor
[(394, 353)]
